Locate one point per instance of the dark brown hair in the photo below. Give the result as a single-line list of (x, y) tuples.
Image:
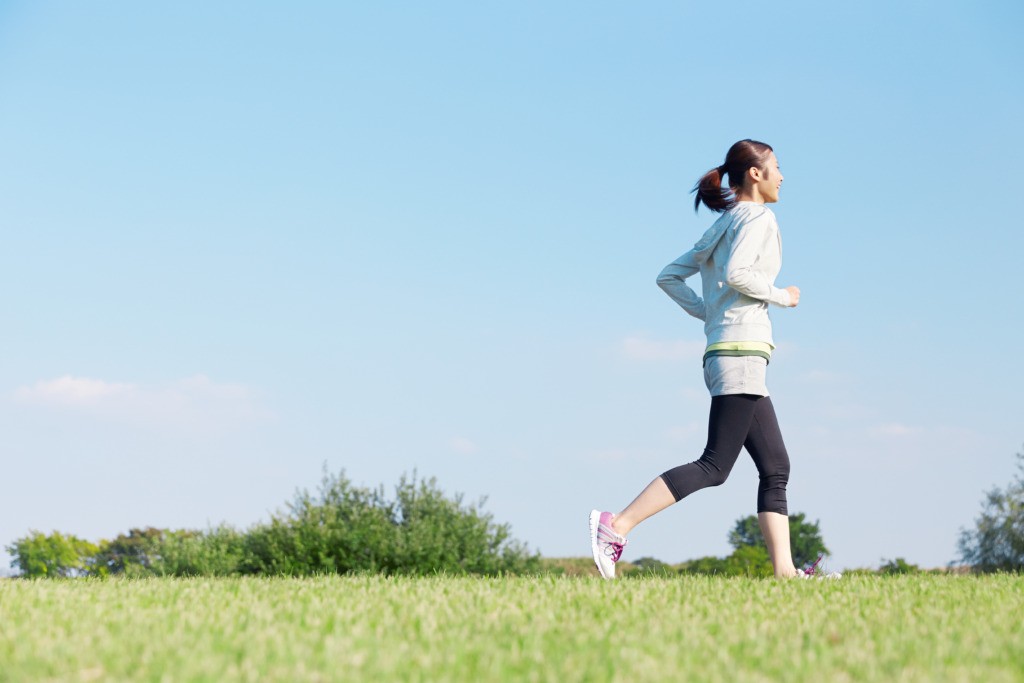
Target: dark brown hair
[(741, 157)]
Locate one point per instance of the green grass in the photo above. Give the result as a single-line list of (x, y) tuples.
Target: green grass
[(909, 628)]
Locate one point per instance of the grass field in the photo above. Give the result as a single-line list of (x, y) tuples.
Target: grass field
[(910, 628)]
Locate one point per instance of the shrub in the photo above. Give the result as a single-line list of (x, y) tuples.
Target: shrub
[(997, 541), (704, 565), (339, 529), (344, 528), (56, 555), (748, 560), (648, 566), (128, 555), (437, 533), (804, 537), (898, 566), (578, 566), (750, 556), (216, 552), (743, 561)]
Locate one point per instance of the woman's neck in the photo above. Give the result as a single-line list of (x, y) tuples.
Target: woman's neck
[(750, 194)]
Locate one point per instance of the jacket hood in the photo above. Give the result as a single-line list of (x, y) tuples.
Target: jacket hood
[(709, 240)]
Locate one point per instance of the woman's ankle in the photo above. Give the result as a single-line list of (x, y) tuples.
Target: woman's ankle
[(620, 527)]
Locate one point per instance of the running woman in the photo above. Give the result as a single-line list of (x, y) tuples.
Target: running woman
[(738, 259)]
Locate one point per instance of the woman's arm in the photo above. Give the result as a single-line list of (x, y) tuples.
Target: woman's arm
[(673, 280), (752, 240)]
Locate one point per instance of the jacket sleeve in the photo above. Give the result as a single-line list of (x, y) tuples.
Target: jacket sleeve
[(752, 240), (673, 280)]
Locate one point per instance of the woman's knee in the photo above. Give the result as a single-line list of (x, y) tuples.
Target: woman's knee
[(774, 464), (715, 470), (717, 478), (779, 471)]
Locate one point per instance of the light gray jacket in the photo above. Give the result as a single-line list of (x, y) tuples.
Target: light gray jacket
[(738, 259)]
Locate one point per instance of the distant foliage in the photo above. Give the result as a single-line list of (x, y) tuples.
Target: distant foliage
[(340, 529), (703, 565), (577, 566), (746, 560), (216, 552), (804, 537), (54, 555), (130, 555), (749, 556), (344, 528), (749, 560), (649, 566), (898, 566), (996, 543)]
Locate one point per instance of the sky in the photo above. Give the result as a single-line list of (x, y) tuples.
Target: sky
[(242, 242)]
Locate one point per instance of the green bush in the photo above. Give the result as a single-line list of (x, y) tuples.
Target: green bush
[(750, 556), (997, 541), (436, 533), (165, 552), (649, 566), (340, 529), (805, 538), (216, 552), (898, 566), (577, 566), (344, 528), (128, 555), (743, 561), (56, 555), (704, 565), (748, 560)]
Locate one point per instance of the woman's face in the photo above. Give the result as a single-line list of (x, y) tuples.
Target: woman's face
[(770, 180)]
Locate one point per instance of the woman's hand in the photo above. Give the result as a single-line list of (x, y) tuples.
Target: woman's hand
[(794, 296)]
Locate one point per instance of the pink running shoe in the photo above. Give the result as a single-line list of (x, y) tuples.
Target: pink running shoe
[(813, 569), (605, 543), (813, 572)]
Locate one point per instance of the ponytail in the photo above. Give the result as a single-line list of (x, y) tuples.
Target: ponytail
[(709, 190), (741, 157)]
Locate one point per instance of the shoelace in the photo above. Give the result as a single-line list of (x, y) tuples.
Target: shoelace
[(616, 550), (813, 569)]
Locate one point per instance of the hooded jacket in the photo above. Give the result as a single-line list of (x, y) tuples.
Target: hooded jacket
[(738, 259)]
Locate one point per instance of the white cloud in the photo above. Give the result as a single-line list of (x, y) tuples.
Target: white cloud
[(461, 444), (73, 391), (195, 401), (641, 348)]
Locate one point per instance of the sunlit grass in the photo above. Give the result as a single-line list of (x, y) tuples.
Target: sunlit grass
[(912, 628)]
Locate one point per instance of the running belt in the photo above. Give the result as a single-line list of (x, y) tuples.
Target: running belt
[(740, 348)]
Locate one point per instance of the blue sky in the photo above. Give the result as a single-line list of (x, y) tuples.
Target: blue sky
[(242, 240)]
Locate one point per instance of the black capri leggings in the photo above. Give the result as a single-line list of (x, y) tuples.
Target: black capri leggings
[(736, 421)]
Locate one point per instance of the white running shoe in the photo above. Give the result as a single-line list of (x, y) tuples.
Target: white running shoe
[(605, 543)]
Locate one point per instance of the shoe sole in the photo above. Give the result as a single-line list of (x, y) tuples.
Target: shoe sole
[(595, 520)]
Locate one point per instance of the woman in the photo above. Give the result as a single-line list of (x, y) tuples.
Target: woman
[(738, 259)]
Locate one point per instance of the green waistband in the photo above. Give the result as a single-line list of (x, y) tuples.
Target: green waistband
[(737, 352), (739, 348), (767, 347)]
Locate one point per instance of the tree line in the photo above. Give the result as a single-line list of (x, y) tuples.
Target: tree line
[(339, 529), (342, 528)]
